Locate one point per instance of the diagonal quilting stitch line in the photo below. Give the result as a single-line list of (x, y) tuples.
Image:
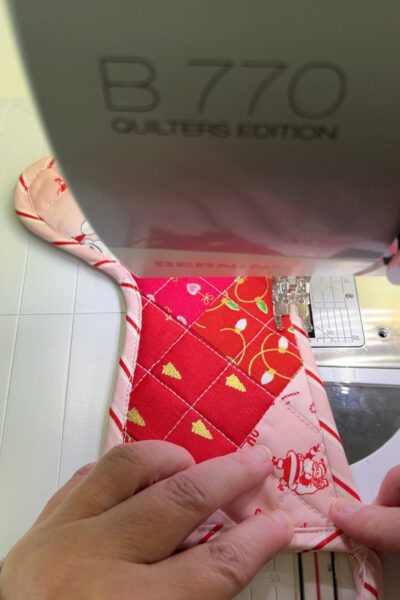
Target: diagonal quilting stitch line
[(205, 343), (296, 413), (226, 291), (322, 441), (227, 366), (147, 300), (198, 338), (288, 492), (184, 331), (128, 300), (33, 209), (190, 407)]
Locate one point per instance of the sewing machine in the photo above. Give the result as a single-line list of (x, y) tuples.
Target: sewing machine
[(222, 139)]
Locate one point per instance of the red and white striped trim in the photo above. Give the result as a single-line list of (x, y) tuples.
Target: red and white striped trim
[(65, 243), (128, 285), (344, 485), (116, 420), (23, 183), (299, 330), (371, 589), (132, 323), (123, 363), (323, 541), (329, 429), (314, 377), (101, 263), (26, 215), (210, 534)]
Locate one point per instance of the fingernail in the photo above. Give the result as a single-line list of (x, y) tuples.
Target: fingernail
[(259, 453), (282, 518), (344, 505), (86, 468)]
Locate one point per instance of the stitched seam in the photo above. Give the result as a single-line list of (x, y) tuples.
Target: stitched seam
[(215, 351), (190, 407), (163, 308), (128, 388), (227, 366), (226, 294), (156, 292), (42, 222), (322, 441), (246, 375), (137, 300), (163, 355), (118, 267), (314, 423), (29, 198), (288, 492), (295, 412), (226, 291)]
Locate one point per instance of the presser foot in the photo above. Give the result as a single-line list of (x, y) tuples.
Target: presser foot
[(292, 290)]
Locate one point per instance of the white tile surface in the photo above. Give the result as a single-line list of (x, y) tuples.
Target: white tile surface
[(29, 454), (8, 328), (96, 293), (96, 341), (56, 367), (21, 140), (50, 281)]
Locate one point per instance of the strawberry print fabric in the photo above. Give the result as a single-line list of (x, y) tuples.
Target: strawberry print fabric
[(204, 366)]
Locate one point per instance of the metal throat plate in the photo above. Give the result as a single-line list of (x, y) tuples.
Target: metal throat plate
[(340, 337)]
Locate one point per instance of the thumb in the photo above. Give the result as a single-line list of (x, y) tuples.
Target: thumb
[(375, 526), (61, 493)]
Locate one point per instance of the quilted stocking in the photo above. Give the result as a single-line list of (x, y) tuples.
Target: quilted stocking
[(204, 366)]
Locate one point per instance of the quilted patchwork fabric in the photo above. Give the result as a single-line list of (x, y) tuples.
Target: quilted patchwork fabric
[(204, 366)]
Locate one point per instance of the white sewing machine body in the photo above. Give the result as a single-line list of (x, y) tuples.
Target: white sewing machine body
[(217, 139)]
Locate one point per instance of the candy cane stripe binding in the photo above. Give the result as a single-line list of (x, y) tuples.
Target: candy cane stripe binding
[(367, 566)]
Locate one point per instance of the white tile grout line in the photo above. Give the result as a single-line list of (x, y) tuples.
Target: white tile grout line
[(5, 116), (68, 373), (4, 416)]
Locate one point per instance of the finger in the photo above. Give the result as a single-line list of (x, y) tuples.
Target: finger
[(173, 508), (61, 494), (222, 568), (389, 493), (123, 471), (374, 526)]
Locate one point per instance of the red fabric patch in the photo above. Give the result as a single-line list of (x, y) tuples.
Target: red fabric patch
[(189, 368), (288, 329), (159, 331), (234, 404), (158, 410), (241, 326), (254, 295), (199, 437), (188, 297), (138, 374), (150, 287), (227, 328), (229, 387), (272, 361)]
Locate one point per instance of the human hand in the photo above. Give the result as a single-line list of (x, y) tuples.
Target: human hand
[(377, 525), (111, 531)]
